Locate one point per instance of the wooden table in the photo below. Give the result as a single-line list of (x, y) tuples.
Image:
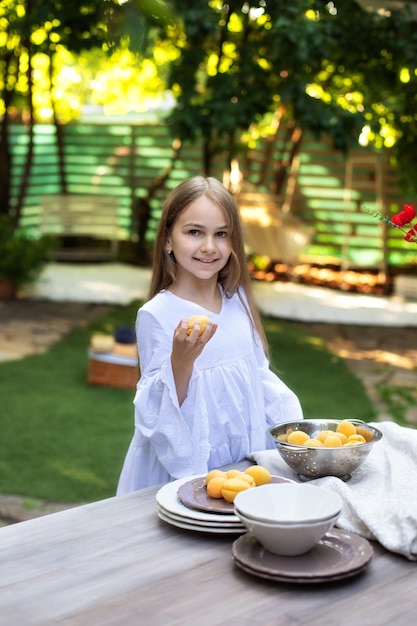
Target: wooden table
[(115, 562)]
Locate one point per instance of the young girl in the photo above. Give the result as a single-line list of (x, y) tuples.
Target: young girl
[(203, 400)]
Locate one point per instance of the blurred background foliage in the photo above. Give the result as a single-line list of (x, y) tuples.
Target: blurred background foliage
[(232, 70)]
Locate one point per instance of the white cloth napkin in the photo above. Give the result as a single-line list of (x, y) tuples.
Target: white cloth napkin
[(380, 500)]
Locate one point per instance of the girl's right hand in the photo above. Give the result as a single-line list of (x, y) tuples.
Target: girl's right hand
[(187, 347)]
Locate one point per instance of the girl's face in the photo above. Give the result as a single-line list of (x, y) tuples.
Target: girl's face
[(200, 240)]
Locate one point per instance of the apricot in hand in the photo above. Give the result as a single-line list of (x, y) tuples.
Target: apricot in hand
[(203, 320)]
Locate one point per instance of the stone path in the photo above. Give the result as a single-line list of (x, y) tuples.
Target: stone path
[(375, 354), (381, 357), (32, 326)]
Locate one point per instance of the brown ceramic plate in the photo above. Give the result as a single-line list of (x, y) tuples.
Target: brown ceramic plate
[(194, 495), (284, 579), (339, 554)]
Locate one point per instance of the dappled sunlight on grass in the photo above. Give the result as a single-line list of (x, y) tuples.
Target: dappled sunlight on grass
[(406, 361), (315, 341), (78, 474)]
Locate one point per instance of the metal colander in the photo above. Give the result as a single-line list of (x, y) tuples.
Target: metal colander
[(310, 462)]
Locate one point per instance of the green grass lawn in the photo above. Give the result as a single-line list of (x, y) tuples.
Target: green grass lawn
[(63, 440), (326, 387)]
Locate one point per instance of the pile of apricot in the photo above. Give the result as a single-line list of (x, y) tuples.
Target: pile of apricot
[(346, 434), (227, 484)]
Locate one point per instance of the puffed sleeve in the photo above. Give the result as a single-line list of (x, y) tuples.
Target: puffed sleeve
[(281, 403), (158, 416)]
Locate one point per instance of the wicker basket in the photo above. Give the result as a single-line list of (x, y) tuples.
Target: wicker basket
[(112, 371)]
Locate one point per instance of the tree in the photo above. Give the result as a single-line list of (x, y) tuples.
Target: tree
[(327, 67), (240, 68), (31, 28), (32, 35)]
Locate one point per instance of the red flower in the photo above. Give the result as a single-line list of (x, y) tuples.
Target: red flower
[(411, 235), (404, 217)]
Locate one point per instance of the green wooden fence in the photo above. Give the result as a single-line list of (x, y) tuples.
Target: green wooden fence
[(123, 160)]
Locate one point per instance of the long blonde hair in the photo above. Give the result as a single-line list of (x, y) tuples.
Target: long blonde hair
[(235, 274)]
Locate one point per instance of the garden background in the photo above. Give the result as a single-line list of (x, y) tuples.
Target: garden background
[(269, 96)]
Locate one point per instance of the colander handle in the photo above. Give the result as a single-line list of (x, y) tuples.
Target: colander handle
[(301, 449)]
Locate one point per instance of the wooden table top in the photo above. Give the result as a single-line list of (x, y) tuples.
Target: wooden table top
[(115, 562)]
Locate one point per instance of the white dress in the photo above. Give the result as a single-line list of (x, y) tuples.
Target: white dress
[(232, 398)]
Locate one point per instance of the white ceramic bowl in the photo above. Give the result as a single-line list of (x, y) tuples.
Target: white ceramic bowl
[(287, 539), (288, 503)]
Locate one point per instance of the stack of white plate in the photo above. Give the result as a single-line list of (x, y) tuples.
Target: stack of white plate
[(172, 510)]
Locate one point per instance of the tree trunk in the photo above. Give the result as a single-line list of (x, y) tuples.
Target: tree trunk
[(30, 149), (290, 137), (143, 209), (282, 168), (5, 152), (207, 157), (59, 131)]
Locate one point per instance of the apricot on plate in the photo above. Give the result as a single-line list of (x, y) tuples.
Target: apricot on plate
[(215, 486), (260, 474), (248, 479), (233, 473), (203, 320), (212, 473), (233, 486), (297, 437)]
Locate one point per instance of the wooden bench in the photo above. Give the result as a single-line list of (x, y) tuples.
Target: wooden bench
[(88, 217)]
